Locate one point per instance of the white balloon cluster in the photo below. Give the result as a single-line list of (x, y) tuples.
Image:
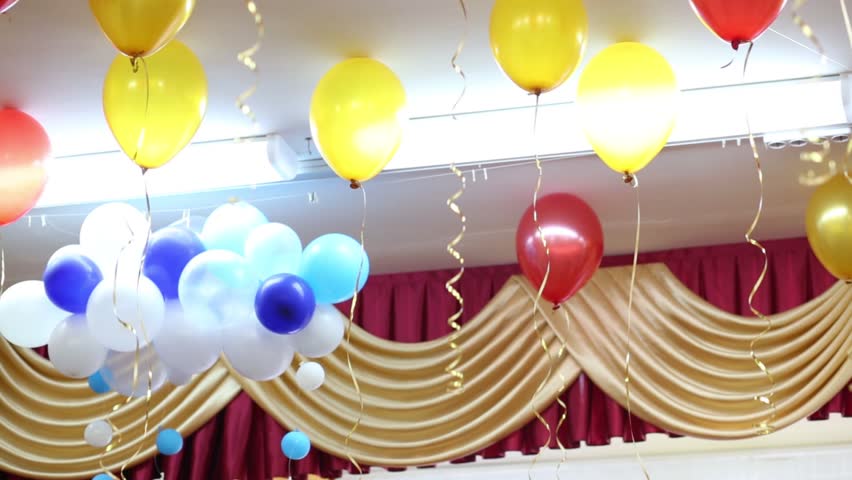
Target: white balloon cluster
[(190, 300)]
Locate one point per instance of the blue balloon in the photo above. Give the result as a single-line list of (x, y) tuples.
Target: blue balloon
[(284, 304), (102, 476), (169, 250), (330, 265), (296, 445), (228, 227), (69, 281), (98, 383), (169, 442)]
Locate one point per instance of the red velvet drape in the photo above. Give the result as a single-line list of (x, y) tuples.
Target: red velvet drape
[(243, 442)]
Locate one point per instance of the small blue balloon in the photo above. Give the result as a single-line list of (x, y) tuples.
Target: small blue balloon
[(330, 265), (69, 281), (169, 442), (102, 476), (296, 445), (169, 250), (98, 383), (284, 304)]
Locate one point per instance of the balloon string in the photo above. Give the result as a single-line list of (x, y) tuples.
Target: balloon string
[(540, 292), (246, 58), (150, 371), (633, 181), (457, 377), (141, 140), (349, 338), (765, 426), (846, 20), (2, 267), (562, 405), (453, 62)]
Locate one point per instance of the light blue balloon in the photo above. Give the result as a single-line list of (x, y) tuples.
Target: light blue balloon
[(221, 283), (169, 442), (102, 476), (330, 265), (228, 227), (98, 383), (273, 249), (296, 445)]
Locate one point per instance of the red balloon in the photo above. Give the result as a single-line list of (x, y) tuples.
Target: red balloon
[(738, 21), (6, 5), (574, 237), (24, 147)]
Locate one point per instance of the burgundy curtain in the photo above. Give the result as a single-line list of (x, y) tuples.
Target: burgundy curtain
[(242, 442)]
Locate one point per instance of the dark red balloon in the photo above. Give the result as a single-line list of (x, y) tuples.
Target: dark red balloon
[(738, 21), (24, 147), (574, 237), (6, 5)]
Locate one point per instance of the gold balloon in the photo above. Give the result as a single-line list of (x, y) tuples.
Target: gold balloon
[(627, 99), (138, 28), (357, 116), (829, 225), (155, 109), (539, 43)]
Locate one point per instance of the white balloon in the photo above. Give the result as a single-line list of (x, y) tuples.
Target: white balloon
[(107, 230), (272, 249), (145, 308), (118, 372), (189, 343), (323, 333), (73, 350), (178, 378), (27, 316), (98, 434), (67, 250), (228, 227), (310, 376), (255, 352), (221, 282)]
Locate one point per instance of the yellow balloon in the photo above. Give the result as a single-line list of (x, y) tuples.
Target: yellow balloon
[(829, 226), (357, 117), (155, 114), (138, 28), (627, 100), (539, 43)]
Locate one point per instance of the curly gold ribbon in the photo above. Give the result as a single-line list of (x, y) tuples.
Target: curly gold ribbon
[(457, 382), (246, 58), (633, 181), (349, 337), (563, 349), (765, 426), (806, 29), (540, 292)]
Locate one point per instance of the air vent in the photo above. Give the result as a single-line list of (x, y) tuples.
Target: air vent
[(803, 138)]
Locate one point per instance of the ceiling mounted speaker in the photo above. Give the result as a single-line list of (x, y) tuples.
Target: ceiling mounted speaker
[(283, 159)]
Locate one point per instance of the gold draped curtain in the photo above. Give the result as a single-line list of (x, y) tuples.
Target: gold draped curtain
[(691, 374)]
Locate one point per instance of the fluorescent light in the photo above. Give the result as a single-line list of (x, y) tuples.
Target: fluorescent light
[(112, 176), (705, 114)]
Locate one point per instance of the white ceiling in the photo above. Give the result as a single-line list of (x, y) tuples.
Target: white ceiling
[(54, 59)]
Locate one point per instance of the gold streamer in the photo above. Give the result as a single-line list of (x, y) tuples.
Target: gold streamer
[(806, 29), (246, 58), (846, 21), (765, 427), (562, 405), (633, 181), (457, 382), (540, 290), (349, 338)]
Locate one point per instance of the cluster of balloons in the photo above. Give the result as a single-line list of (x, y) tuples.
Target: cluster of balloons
[(242, 286), (574, 237), (24, 147), (155, 102)]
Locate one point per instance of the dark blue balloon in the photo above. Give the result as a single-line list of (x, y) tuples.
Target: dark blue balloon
[(70, 280), (98, 384), (284, 304), (169, 250)]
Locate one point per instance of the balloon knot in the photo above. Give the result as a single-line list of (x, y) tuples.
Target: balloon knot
[(848, 282), (134, 62), (630, 179), (736, 44), (354, 184), (556, 307)]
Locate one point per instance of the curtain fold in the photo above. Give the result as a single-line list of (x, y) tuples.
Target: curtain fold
[(409, 311)]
